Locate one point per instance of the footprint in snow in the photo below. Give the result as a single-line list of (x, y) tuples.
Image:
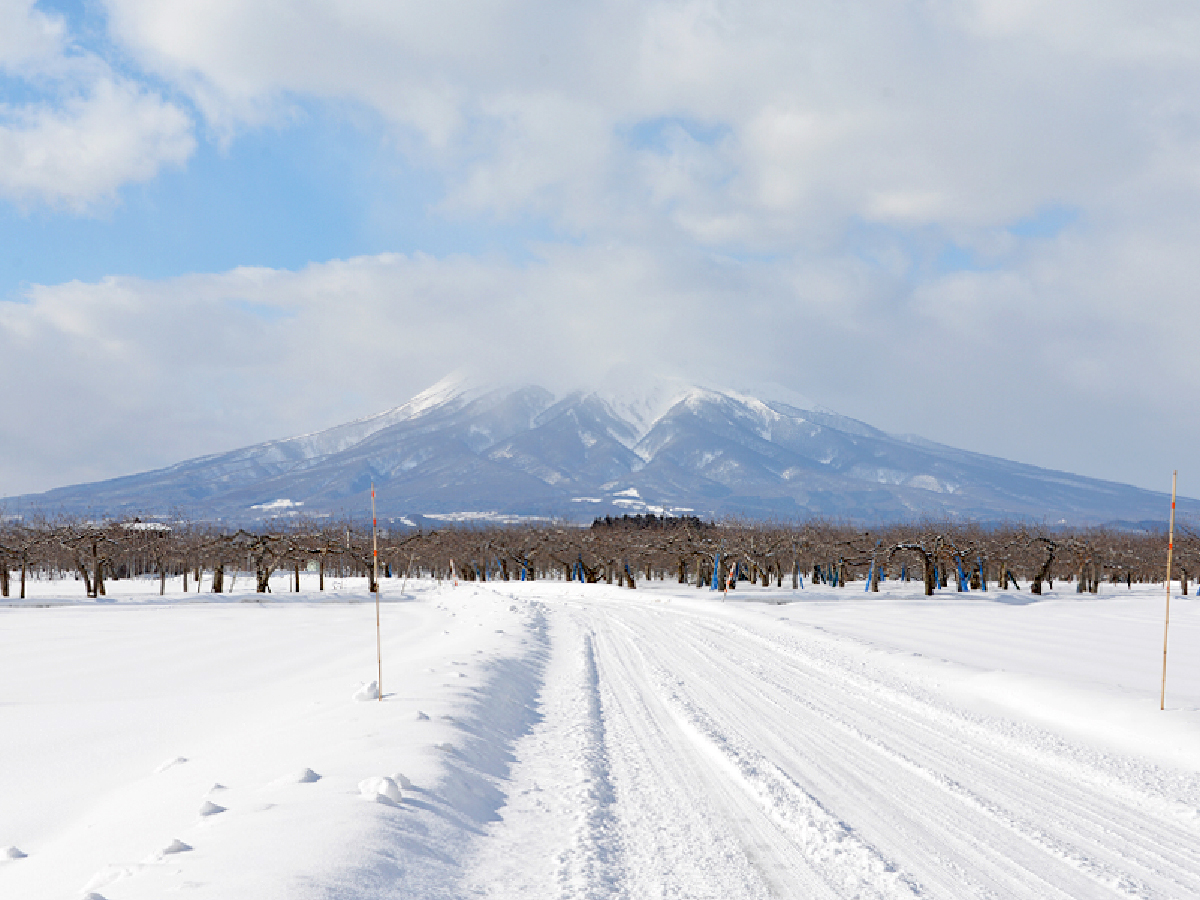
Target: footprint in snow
[(380, 789), (303, 776), (368, 691), (171, 763), (421, 717), (176, 846), (110, 875), (92, 895), (208, 808), (14, 853)]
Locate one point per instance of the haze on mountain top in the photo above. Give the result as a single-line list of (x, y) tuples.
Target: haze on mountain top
[(223, 223)]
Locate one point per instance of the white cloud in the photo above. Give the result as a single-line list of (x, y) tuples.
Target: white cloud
[(971, 114), (29, 36), (832, 195), (1047, 362), (84, 150), (966, 116), (87, 130)]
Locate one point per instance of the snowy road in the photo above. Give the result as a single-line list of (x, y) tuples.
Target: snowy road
[(551, 740), (691, 752)]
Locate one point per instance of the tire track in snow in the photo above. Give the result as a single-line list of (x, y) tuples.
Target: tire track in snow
[(691, 825), (599, 851), (1098, 840), (839, 700)]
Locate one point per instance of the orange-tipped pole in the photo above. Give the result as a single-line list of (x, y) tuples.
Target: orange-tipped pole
[(375, 582), (1162, 697)]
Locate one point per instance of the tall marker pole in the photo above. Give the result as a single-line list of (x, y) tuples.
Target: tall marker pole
[(375, 582), (1162, 697)]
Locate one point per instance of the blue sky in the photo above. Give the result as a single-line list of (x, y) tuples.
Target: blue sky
[(231, 222), (321, 187)]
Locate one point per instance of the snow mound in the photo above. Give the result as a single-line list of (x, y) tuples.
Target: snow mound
[(380, 789), (403, 781), (208, 808), (171, 763), (369, 691), (176, 846), (14, 853)]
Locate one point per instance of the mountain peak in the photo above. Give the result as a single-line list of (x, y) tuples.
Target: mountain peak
[(465, 448)]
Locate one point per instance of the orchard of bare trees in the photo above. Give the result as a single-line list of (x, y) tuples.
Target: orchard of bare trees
[(626, 551)]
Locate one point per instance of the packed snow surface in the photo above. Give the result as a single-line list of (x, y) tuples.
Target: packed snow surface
[(560, 740)]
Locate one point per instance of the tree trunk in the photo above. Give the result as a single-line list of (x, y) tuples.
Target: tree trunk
[(87, 581), (218, 585), (1043, 574)]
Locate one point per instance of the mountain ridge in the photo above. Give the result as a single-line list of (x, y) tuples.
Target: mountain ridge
[(462, 450)]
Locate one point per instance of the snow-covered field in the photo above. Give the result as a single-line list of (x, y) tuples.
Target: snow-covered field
[(541, 740)]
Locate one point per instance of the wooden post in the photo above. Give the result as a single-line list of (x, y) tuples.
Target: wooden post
[(1162, 697), (375, 581)]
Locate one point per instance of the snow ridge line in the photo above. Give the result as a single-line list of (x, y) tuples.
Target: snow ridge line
[(832, 847), (875, 694), (1103, 875), (1078, 762)]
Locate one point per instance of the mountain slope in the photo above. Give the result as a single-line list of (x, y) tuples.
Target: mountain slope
[(462, 451)]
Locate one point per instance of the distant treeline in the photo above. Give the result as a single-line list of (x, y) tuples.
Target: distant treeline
[(624, 551)]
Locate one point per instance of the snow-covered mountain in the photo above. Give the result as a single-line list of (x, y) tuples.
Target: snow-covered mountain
[(460, 451)]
